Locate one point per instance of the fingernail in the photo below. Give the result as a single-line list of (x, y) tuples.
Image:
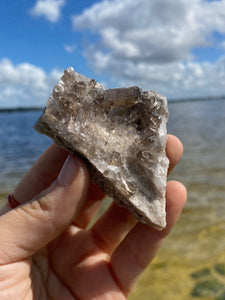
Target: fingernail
[(68, 171)]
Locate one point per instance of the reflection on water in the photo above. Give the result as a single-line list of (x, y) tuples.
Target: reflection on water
[(191, 264)]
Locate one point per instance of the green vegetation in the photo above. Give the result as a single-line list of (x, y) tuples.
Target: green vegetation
[(209, 288), (201, 273), (220, 268)]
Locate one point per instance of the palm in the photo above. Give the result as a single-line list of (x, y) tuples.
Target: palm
[(74, 266)]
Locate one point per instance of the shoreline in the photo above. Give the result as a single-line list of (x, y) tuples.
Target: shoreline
[(21, 109), (170, 101)]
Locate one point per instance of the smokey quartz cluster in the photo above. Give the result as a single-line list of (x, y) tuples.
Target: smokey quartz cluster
[(121, 133)]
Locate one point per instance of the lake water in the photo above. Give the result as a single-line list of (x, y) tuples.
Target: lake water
[(191, 264)]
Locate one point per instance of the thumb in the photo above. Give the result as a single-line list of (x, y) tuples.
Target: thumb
[(30, 227)]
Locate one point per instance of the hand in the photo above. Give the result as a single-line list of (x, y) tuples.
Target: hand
[(46, 251)]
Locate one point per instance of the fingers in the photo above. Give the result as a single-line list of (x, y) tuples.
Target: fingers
[(29, 227), (111, 228), (42, 174), (94, 199), (140, 246), (174, 151), (47, 167)]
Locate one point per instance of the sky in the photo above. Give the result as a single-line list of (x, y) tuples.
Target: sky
[(176, 47)]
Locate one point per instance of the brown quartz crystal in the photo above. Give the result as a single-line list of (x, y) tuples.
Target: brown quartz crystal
[(122, 135)]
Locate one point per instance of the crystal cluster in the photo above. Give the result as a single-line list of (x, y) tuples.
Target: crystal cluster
[(122, 135)]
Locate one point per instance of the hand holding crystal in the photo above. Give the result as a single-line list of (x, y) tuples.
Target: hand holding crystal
[(46, 249)]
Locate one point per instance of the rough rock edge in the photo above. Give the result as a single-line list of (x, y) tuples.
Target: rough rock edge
[(42, 126)]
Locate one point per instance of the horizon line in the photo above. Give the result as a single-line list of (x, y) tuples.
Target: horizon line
[(38, 108)]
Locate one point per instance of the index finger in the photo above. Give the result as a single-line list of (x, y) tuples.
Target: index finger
[(174, 151)]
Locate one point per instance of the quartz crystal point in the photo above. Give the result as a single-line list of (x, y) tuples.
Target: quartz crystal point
[(121, 133)]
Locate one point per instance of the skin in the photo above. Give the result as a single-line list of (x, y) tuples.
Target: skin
[(46, 250)]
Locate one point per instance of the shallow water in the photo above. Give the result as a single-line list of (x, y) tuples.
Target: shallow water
[(191, 264), (187, 265)]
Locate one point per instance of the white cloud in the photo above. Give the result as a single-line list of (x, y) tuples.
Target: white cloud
[(150, 43), (25, 84), (70, 48), (50, 9), (223, 45), (177, 80)]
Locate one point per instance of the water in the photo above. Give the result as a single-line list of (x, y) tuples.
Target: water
[(201, 128), (187, 264), (191, 264), (20, 146)]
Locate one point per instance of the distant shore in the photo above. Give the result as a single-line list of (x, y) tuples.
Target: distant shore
[(24, 109), (197, 99), (21, 109)]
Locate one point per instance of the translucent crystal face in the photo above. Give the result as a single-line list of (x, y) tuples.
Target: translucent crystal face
[(122, 134)]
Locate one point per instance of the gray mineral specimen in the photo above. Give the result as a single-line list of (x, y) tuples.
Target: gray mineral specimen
[(121, 133)]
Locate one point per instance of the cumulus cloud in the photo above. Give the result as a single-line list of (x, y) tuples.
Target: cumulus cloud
[(50, 9), (151, 43), (70, 48), (25, 84)]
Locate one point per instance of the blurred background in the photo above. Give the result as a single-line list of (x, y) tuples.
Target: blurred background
[(174, 47)]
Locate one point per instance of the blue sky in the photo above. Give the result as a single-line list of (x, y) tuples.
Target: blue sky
[(38, 40), (176, 47)]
